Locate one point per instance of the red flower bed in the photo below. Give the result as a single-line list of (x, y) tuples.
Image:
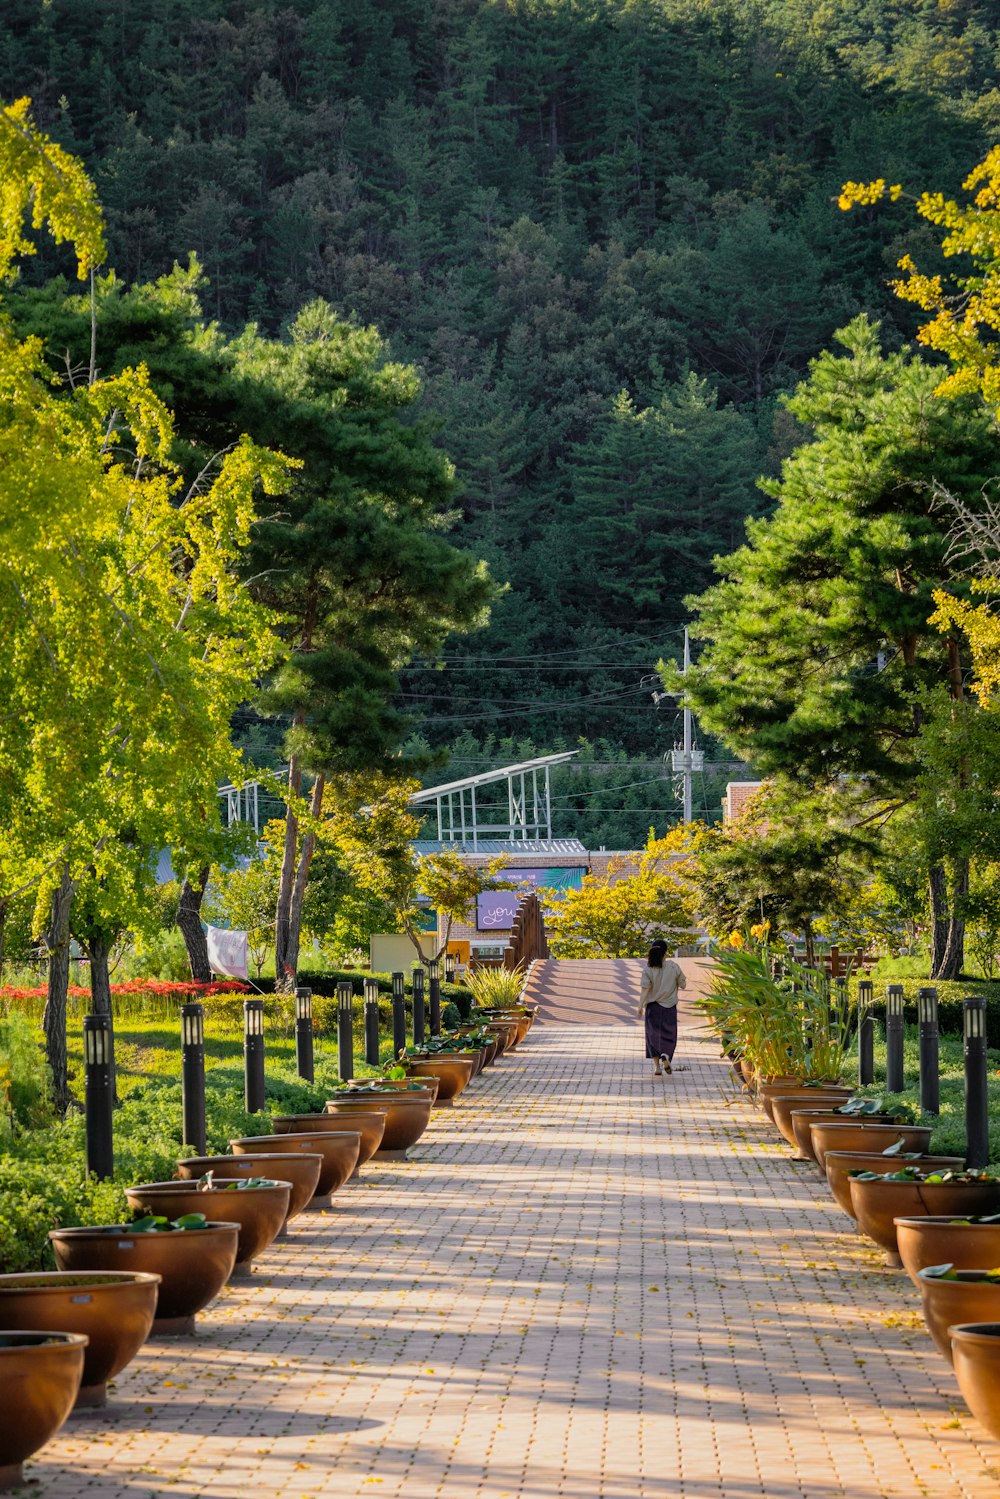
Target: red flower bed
[(142, 989)]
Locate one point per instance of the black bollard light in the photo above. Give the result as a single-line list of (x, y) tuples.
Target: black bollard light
[(345, 1029), (435, 998), (418, 1005), (930, 1080), (193, 1076), (977, 1118), (371, 1022), (450, 967), (99, 1095), (894, 1038), (253, 1054), (304, 1058), (398, 1013), (866, 1033)]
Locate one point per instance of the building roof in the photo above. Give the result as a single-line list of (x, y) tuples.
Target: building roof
[(558, 846)]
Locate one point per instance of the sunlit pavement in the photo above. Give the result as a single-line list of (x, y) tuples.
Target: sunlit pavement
[(588, 1282)]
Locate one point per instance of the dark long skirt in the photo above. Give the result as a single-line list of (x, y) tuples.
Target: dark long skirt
[(661, 1030)]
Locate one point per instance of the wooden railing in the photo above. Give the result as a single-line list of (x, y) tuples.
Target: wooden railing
[(527, 934)]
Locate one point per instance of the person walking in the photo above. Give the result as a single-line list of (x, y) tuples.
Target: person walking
[(662, 981)]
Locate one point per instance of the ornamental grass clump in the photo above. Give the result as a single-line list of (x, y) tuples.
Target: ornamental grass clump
[(778, 1027), (494, 988)]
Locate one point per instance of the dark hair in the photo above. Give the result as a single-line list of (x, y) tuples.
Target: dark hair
[(657, 953)]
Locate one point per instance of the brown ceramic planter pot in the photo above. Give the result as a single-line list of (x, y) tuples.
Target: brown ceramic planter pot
[(801, 1120), (114, 1311), (838, 1165), (503, 1033), (975, 1351), (829, 1134), (453, 1075), (193, 1264), (336, 1150), (476, 1057), (367, 1116), (782, 1105), (407, 1115), (947, 1302), (259, 1211), (772, 1087), (300, 1171), (877, 1205), (942, 1241), (40, 1375)]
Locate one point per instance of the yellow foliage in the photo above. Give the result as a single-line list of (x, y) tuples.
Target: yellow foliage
[(965, 311), (39, 178), (981, 628)]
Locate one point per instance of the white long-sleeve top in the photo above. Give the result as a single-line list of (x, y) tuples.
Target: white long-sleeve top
[(660, 986)]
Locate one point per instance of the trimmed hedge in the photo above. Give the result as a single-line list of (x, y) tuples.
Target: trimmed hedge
[(951, 993)]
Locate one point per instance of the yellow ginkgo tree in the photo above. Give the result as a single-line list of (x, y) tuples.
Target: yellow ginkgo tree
[(128, 639)]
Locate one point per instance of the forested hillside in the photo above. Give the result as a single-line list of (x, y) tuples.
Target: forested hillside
[(605, 230)]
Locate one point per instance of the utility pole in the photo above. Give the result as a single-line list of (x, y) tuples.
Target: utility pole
[(687, 760)]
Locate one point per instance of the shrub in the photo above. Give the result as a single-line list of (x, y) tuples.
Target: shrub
[(24, 1077)]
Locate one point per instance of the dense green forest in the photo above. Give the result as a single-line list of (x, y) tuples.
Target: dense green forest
[(604, 230)]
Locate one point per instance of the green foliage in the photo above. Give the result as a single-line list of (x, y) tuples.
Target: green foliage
[(779, 1027), (24, 1079), (244, 899), (541, 205)]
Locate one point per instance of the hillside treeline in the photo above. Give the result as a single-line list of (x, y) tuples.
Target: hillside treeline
[(605, 230)]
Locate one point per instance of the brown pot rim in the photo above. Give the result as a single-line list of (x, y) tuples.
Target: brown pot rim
[(175, 1187), (98, 1280), (40, 1339), (124, 1231), (942, 1220), (985, 1333), (299, 1134)]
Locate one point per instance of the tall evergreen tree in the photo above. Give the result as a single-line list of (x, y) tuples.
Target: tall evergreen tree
[(820, 658)]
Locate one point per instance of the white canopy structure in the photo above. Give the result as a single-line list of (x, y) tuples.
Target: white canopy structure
[(529, 803)]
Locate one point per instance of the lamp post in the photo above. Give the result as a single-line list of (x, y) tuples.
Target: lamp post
[(371, 1022), (977, 1119), (98, 1095), (304, 1057), (435, 996), (930, 1082), (866, 1033), (398, 1014), (418, 1005), (193, 1076), (450, 967), (345, 1029), (894, 1038), (253, 1054)]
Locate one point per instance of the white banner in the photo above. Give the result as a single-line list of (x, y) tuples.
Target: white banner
[(227, 953)]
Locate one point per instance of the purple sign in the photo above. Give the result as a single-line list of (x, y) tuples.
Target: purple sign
[(495, 910)]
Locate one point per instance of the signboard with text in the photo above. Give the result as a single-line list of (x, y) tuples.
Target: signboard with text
[(495, 909)]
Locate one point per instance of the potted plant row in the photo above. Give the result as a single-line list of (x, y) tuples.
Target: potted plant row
[(73, 1329)]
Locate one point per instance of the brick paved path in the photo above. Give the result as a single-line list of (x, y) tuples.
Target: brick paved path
[(589, 1285)]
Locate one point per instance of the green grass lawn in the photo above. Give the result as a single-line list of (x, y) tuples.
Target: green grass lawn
[(949, 1131)]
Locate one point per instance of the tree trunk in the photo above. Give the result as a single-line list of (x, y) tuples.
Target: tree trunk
[(189, 920), (54, 1018), (947, 924), (299, 887), (284, 967)]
